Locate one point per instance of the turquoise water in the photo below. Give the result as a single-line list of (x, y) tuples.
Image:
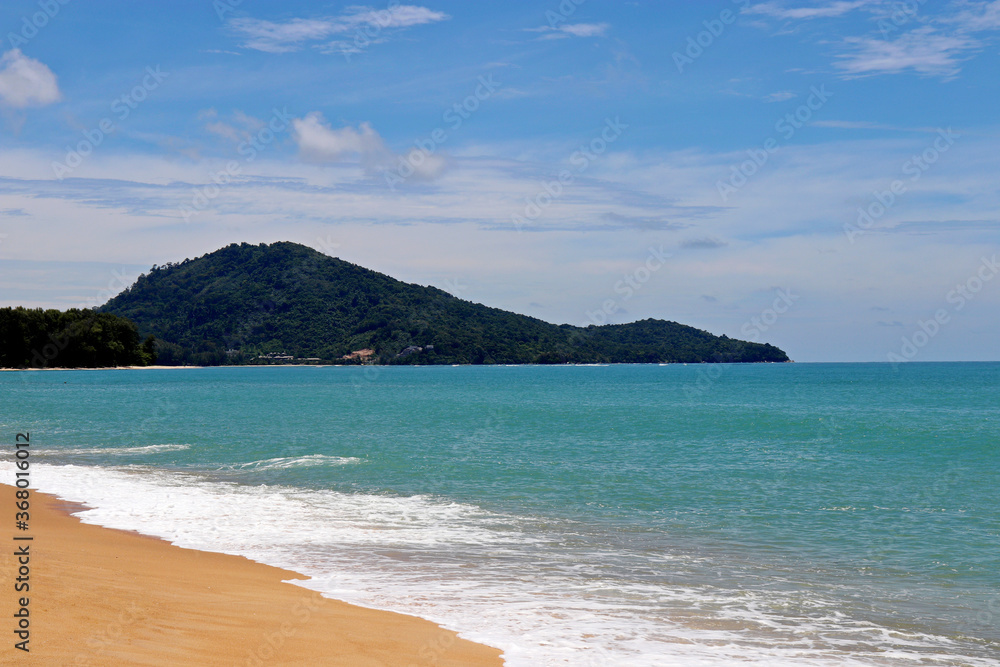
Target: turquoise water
[(801, 514)]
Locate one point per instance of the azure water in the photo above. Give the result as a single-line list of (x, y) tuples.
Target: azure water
[(794, 514)]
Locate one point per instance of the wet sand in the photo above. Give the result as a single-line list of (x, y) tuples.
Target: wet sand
[(108, 597)]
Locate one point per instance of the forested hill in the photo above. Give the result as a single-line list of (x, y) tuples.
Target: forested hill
[(286, 302)]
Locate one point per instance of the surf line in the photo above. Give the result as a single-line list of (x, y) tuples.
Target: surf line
[(22, 503)]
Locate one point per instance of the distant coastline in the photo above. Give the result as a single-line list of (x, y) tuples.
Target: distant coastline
[(99, 368), (160, 367), (287, 304)]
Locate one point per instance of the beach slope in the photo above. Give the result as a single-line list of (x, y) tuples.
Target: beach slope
[(107, 597)]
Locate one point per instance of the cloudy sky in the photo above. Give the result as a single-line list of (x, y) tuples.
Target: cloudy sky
[(822, 176)]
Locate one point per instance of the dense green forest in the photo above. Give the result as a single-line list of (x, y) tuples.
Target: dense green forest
[(36, 338), (285, 302)]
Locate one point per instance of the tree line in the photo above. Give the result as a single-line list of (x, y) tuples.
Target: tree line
[(75, 338)]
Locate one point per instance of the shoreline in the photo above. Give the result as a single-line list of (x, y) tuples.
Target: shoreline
[(650, 363), (99, 368), (105, 596)]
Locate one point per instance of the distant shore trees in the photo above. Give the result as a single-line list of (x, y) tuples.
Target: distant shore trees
[(75, 338)]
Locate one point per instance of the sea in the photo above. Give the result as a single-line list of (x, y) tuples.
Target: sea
[(703, 514)]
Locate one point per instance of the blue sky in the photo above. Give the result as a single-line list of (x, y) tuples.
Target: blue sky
[(817, 175)]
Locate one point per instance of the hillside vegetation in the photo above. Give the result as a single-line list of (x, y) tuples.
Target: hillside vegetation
[(36, 338), (246, 302)]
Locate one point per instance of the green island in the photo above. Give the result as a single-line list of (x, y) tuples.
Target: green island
[(285, 303)]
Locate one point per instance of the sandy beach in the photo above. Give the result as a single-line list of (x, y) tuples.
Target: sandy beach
[(106, 597)]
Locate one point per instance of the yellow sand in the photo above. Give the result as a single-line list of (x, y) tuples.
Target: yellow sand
[(107, 597)]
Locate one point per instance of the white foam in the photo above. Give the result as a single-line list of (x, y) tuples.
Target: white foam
[(200, 514), (498, 579), (312, 460)]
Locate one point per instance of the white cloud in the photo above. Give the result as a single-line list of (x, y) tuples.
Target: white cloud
[(426, 167), (937, 47), (832, 9), (933, 45), (318, 142), (400, 16), (25, 82), (237, 129), (584, 29), (979, 16), (780, 96), (272, 37), (868, 125), (572, 30), (704, 243), (923, 50)]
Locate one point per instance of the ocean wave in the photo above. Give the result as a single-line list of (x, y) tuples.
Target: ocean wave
[(494, 577), (129, 499), (308, 461), (114, 451)]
